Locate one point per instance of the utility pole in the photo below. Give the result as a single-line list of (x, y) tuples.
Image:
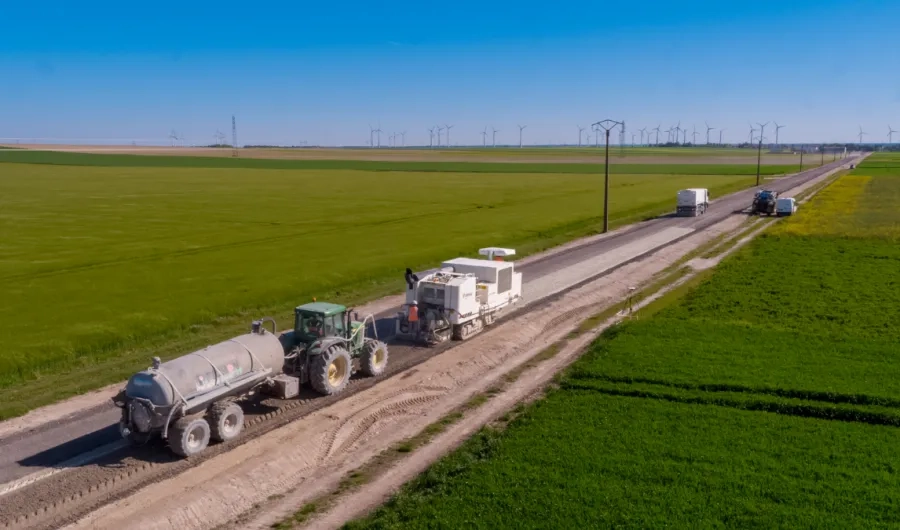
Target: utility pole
[(801, 158), (759, 152), (823, 156), (607, 125), (234, 146)]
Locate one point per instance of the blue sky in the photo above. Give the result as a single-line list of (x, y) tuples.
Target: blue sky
[(322, 72)]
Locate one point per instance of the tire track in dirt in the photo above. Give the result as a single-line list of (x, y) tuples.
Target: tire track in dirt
[(369, 418), (402, 408)]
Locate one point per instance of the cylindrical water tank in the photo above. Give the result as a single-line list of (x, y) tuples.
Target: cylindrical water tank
[(194, 374)]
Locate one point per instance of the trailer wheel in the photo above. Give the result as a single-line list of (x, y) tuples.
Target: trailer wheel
[(374, 358), (330, 371), (189, 436), (226, 420)]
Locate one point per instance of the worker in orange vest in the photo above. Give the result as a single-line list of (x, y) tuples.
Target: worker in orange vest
[(413, 317)]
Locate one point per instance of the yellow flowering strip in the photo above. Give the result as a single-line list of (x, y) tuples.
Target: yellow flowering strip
[(830, 212)]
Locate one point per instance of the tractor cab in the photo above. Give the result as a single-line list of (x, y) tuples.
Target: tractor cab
[(327, 345), (320, 320)]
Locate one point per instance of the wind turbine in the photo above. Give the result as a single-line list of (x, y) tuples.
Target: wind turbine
[(891, 134), (762, 131), (777, 128), (694, 136), (447, 128), (751, 133), (494, 136), (708, 128), (403, 139), (643, 131), (668, 136), (581, 130), (677, 129), (484, 137), (173, 136), (521, 128), (439, 128), (657, 133), (371, 136), (431, 137), (378, 132), (721, 132), (861, 134)]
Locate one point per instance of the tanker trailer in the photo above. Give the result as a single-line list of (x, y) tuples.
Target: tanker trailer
[(191, 399)]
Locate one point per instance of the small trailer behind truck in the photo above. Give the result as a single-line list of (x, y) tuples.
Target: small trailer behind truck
[(692, 202)]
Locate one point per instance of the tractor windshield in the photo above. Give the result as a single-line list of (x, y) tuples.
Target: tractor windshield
[(312, 326)]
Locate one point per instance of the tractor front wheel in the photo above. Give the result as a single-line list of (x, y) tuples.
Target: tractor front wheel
[(330, 371), (374, 358)]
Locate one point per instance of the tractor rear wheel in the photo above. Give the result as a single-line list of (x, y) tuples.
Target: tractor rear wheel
[(189, 436), (330, 371), (374, 358), (226, 420)]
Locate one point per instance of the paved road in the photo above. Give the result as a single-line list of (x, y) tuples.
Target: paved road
[(54, 443)]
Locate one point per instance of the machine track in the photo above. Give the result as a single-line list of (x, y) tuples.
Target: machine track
[(74, 492)]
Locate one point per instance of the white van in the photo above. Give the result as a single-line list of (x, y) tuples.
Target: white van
[(785, 206)]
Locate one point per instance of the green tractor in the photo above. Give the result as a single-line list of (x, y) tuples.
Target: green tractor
[(328, 345)]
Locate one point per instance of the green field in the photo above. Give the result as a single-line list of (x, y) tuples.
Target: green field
[(747, 167), (105, 266), (767, 397)]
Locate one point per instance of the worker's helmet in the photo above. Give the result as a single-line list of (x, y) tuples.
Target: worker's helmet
[(414, 303)]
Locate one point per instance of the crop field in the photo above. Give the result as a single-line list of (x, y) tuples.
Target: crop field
[(701, 165), (499, 155), (766, 397), (104, 266)]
